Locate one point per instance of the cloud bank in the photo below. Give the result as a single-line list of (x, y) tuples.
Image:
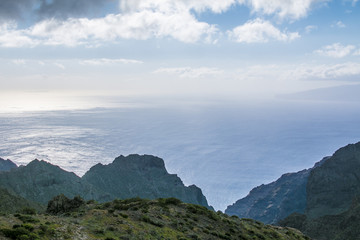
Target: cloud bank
[(336, 50), (188, 72), (92, 22)]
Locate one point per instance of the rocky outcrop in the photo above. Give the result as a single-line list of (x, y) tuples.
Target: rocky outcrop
[(133, 176), (142, 176), (274, 201), (332, 187), (6, 165)]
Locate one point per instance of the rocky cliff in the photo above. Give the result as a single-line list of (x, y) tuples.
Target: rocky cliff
[(6, 165), (332, 186), (333, 205), (274, 201), (142, 176), (335, 227), (133, 176)]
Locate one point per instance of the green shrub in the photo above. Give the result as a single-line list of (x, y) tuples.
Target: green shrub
[(28, 226), (169, 201), (28, 211), (26, 218), (61, 204), (99, 231), (146, 219), (15, 233), (91, 202), (124, 215)]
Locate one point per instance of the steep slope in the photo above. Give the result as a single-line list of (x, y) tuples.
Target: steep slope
[(333, 204), (141, 219), (332, 186), (10, 203), (336, 227), (141, 176), (274, 201), (40, 181), (6, 165)]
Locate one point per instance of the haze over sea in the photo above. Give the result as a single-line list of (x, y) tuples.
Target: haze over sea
[(224, 147)]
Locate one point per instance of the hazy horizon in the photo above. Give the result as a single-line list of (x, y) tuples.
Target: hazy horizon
[(224, 148)]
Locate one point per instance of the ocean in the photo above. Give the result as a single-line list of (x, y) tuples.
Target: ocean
[(226, 148)]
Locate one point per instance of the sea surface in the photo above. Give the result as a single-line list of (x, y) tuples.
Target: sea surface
[(225, 148)]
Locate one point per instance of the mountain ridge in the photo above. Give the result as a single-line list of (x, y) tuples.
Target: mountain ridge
[(6, 165), (126, 177)]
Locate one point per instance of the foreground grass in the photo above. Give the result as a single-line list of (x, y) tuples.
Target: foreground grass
[(139, 219)]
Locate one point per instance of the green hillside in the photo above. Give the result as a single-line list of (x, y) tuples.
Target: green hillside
[(136, 219), (10, 203)]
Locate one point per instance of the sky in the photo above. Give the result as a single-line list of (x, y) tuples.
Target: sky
[(53, 51)]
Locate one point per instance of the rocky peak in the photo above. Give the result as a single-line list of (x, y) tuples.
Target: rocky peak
[(142, 162), (6, 165), (142, 176)]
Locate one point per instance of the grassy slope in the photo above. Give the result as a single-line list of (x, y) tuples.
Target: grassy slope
[(140, 219)]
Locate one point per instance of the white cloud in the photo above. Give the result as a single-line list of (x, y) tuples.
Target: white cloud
[(11, 37), (290, 73), (328, 71), (335, 50), (357, 53), (173, 6), (188, 72), (108, 61), (310, 28), (182, 26), (258, 30), (339, 24), (293, 9), (59, 65)]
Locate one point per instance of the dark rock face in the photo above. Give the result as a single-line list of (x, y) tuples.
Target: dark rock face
[(127, 177), (6, 165), (336, 227), (141, 176), (333, 203), (274, 201), (332, 186)]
